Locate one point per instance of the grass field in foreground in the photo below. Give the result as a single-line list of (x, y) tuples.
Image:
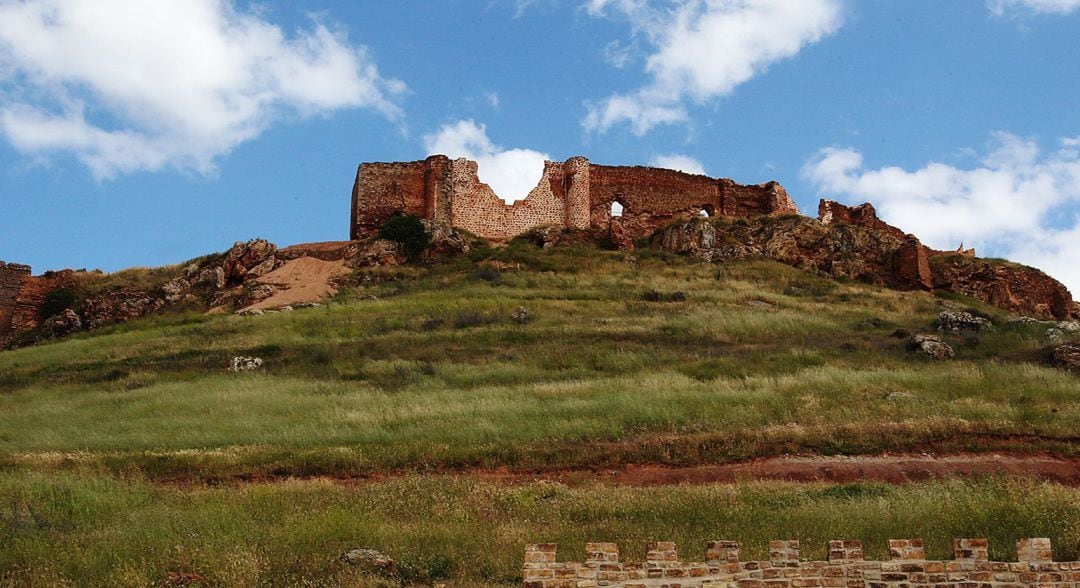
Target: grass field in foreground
[(107, 532)]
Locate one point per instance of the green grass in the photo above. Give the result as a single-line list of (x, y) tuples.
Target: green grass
[(108, 532)]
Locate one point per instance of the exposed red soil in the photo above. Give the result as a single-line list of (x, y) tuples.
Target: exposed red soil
[(892, 469), (887, 468)]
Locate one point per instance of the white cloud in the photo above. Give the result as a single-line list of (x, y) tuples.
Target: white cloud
[(1017, 201), (131, 85), (1004, 7), (511, 173), (704, 49), (679, 162)]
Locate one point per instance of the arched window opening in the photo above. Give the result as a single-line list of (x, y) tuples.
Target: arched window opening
[(616, 209), (706, 211)]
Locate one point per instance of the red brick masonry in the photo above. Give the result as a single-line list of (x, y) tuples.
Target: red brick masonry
[(573, 194), (845, 568)]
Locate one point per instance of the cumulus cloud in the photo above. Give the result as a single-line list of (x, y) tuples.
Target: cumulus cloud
[(1004, 7), (704, 49), (679, 162), (1017, 201), (128, 85), (511, 173)]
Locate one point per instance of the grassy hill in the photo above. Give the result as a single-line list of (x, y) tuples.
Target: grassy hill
[(131, 456)]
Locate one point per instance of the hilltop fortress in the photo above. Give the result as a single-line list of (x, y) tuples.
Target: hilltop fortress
[(574, 194), (690, 214)]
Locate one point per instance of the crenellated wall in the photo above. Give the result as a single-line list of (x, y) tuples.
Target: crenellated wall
[(845, 568), (574, 194)]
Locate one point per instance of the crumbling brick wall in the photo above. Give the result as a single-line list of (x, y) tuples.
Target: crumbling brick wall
[(845, 568), (574, 194), (12, 278)]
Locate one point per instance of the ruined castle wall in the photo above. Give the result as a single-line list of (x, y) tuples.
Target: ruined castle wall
[(477, 209), (845, 568), (574, 194), (12, 278), (650, 197), (385, 189)]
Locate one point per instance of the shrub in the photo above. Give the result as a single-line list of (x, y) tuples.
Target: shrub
[(408, 231), (658, 296), (56, 302)]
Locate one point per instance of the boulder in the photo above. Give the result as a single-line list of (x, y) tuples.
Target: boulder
[(1068, 357), (951, 321), (372, 561), (63, 324), (243, 257), (245, 364), (932, 346), (176, 290)]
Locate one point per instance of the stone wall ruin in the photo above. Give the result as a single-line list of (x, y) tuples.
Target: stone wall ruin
[(574, 194)]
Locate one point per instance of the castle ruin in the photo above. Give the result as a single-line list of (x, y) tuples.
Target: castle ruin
[(575, 194)]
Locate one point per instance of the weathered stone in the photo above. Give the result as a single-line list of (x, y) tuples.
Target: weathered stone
[(245, 364), (932, 346), (374, 562), (176, 290), (117, 306), (950, 321), (63, 324), (1068, 357)]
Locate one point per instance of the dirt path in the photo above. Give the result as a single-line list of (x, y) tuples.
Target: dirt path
[(893, 469), (300, 280)]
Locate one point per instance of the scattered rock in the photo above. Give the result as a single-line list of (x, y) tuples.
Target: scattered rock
[(1055, 335), (243, 257), (211, 277), (65, 323), (520, 315), (371, 560), (932, 346), (1070, 327), (176, 290), (760, 304), (245, 364), (444, 241), (1068, 357), (1027, 320), (118, 306), (950, 321)]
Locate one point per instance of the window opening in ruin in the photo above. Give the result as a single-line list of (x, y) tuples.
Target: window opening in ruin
[(616, 209), (706, 211)]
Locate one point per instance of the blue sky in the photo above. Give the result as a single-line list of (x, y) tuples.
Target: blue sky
[(144, 133)]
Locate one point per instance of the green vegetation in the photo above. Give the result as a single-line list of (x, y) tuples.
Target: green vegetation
[(408, 231), (130, 449)]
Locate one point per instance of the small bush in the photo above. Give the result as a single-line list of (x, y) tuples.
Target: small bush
[(658, 296), (467, 318), (408, 231), (487, 274), (56, 302)]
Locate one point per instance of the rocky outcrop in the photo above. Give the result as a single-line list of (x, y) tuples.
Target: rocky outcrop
[(849, 251), (1006, 285), (852, 242)]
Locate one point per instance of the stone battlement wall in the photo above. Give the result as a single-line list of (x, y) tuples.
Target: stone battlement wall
[(12, 278), (573, 194), (724, 568)]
